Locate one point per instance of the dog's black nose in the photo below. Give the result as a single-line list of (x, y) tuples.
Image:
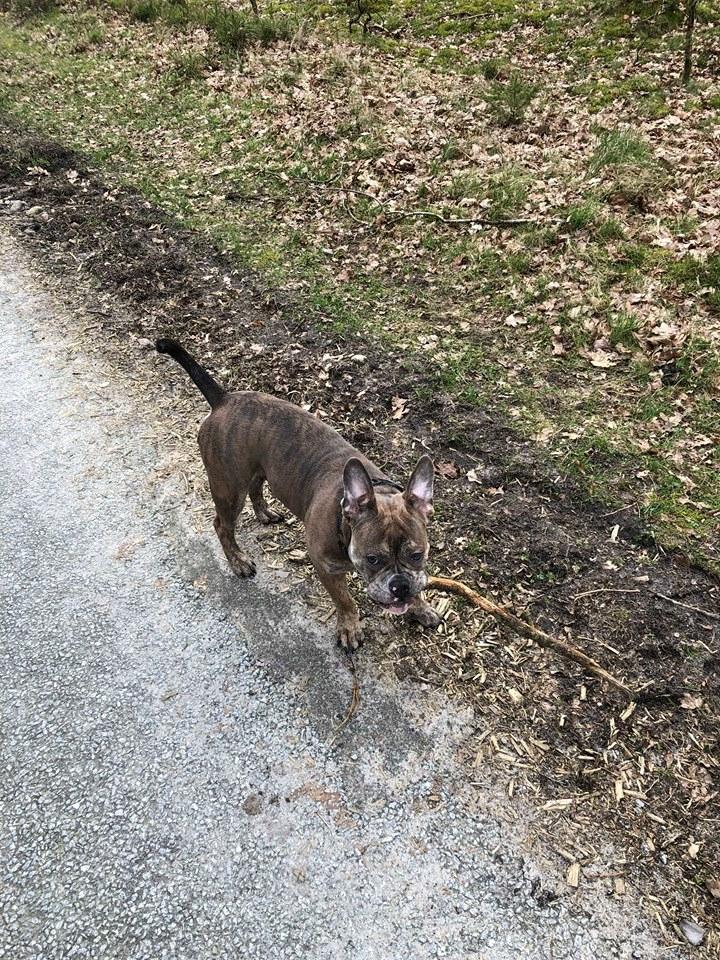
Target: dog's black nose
[(400, 587)]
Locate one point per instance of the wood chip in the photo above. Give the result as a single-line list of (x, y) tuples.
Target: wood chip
[(573, 875), (628, 711)]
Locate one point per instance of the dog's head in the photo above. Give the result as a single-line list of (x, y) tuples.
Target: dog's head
[(389, 545)]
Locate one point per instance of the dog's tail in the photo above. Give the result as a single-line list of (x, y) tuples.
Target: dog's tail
[(210, 389)]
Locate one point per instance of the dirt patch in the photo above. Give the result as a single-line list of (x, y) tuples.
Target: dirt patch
[(504, 522)]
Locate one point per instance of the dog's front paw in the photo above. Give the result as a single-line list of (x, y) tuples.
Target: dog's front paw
[(349, 634), (242, 566), (426, 615), (267, 516)]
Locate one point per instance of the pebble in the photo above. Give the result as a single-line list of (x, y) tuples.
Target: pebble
[(693, 932)]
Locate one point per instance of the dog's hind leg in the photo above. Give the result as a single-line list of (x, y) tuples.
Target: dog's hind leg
[(228, 504), (229, 487), (262, 511)]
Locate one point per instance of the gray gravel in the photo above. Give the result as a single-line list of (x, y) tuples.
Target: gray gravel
[(170, 788)]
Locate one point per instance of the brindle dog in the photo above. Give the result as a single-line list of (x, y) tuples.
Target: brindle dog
[(354, 517)]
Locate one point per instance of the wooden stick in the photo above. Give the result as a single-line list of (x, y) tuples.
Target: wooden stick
[(686, 606), (528, 630)]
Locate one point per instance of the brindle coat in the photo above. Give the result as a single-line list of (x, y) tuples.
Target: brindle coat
[(353, 516)]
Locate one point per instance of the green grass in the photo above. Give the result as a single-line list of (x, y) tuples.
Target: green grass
[(188, 65), (618, 147), (234, 30), (699, 277), (582, 215), (510, 98), (623, 330), (698, 365), (610, 229), (28, 9)]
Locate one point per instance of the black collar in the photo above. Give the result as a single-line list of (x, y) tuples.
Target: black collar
[(384, 482)]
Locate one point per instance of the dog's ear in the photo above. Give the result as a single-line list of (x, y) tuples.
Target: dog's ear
[(358, 493), (419, 491)]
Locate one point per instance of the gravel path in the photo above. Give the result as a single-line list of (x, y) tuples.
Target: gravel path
[(170, 787)]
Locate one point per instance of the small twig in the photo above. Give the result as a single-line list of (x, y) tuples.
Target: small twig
[(589, 593), (463, 15), (354, 699), (529, 630), (348, 210), (395, 215), (687, 606), (628, 506)]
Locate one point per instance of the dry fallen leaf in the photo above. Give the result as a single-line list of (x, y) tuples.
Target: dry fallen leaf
[(542, 436), (691, 701), (399, 407), (446, 468), (600, 359)]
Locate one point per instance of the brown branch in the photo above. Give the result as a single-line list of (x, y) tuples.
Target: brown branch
[(529, 630)]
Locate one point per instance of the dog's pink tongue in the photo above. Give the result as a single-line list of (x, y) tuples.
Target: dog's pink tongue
[(398, 608)]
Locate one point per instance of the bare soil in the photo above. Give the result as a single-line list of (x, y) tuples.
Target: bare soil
[(514, 529)]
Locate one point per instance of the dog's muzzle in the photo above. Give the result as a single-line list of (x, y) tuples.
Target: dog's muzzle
[(400, 590)]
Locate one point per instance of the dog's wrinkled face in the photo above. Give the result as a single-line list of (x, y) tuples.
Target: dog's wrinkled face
[(389, 544)]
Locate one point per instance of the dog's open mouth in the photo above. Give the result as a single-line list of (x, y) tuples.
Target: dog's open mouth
[(396, 608)]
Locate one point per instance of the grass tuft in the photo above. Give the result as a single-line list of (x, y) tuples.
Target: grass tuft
[(616, 148), (623, 330), (28, 9), (188, 65), (697, 366), (582, 215), (509, 99), (699, 276), (233, 30)]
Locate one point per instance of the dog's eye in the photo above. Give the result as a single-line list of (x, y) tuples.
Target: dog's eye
[(372, 559), (416, 557)]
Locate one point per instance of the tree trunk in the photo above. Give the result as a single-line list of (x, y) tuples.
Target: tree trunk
[(690, 8)]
